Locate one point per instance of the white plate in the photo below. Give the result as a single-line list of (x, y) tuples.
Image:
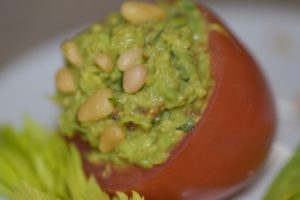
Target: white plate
[(30, 37)]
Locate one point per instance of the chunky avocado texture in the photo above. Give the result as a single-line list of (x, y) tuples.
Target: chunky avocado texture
[(168, 104)]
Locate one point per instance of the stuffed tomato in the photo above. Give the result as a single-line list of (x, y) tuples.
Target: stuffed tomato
[(163, 100)]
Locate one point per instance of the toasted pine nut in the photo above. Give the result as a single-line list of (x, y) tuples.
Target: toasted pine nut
[(134, 79), (129, 58), (140, 12), (104, 62), (72, 53), (65, 81), (96, 107), (111, 137)]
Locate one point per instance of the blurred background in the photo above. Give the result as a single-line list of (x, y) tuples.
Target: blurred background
[(31, 32)]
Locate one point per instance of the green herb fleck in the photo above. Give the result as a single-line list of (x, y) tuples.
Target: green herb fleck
[(187, 126)]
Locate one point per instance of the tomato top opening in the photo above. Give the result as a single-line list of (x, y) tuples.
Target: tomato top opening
[(134, 87)]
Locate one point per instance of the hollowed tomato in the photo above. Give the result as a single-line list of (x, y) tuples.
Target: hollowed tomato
[(228, 146)]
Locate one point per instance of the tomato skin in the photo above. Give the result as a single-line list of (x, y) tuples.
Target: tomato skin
[(227, 147)]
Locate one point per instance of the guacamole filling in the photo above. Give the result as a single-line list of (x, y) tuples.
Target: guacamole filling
[(137, 83)]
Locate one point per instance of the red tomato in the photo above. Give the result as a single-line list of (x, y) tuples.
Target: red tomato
[(227, 147)]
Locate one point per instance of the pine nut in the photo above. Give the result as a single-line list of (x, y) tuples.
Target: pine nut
[(65, 81), (129, 58), (72, 53), (104, 62), (140, 12), (134, 79), (111, 137), (96, 107)]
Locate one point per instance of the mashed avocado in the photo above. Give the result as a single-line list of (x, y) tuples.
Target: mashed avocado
[(134, 86)]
